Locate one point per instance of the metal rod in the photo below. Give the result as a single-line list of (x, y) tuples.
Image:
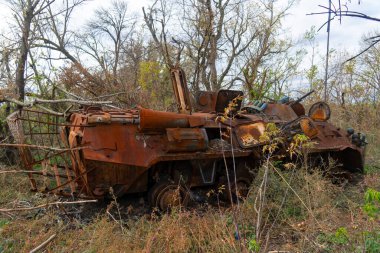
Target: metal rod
[(327, 50)]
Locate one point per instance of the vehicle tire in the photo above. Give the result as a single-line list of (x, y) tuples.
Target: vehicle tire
[(166, 195)]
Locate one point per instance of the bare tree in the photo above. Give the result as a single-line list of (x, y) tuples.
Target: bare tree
[(5, 63), (213, 36), (157, 19), (267, 64), (338, 10), (39, 36), (55, 36), (367, 71), (221, 34), (106, 35), (216, 33), (26, 13)]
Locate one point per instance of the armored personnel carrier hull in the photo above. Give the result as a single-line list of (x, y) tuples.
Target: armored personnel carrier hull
[(169, 155)]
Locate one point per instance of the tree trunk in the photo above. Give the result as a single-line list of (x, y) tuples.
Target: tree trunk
[(24, 49)]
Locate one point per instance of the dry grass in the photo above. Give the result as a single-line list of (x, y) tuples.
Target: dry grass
[(303, 212), (290, 224)]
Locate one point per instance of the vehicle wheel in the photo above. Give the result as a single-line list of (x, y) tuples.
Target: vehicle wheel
[(166, 195), (154, 191)]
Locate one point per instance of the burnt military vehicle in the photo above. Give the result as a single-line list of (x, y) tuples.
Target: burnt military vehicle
[(169, 155)]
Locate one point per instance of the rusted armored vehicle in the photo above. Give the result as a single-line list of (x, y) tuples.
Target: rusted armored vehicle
[(172, 156)]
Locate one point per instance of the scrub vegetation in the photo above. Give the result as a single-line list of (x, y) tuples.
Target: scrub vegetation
[(220, 44), (290, 207)]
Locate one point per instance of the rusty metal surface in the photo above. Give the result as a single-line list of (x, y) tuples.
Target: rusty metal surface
[(186, 139), (205, 101), (249, 135), (320, 111), (53, 166), (181, 91), (282, 111), (151, 120), (142, 150), (224, 97)]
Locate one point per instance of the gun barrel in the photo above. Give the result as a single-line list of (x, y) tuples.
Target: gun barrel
[(303, 97)]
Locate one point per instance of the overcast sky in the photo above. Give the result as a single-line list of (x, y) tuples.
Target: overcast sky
[(345, 35)]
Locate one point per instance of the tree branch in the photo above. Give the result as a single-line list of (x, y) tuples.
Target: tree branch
[(8, 210)]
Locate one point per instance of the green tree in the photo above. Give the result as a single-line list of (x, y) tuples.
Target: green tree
[(155, 82)]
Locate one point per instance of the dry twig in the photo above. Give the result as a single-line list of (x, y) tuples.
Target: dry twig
[(7, 210), (43, 245), (41, 147)]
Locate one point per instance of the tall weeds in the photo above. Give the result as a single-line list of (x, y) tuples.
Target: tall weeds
[(289, 207)]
